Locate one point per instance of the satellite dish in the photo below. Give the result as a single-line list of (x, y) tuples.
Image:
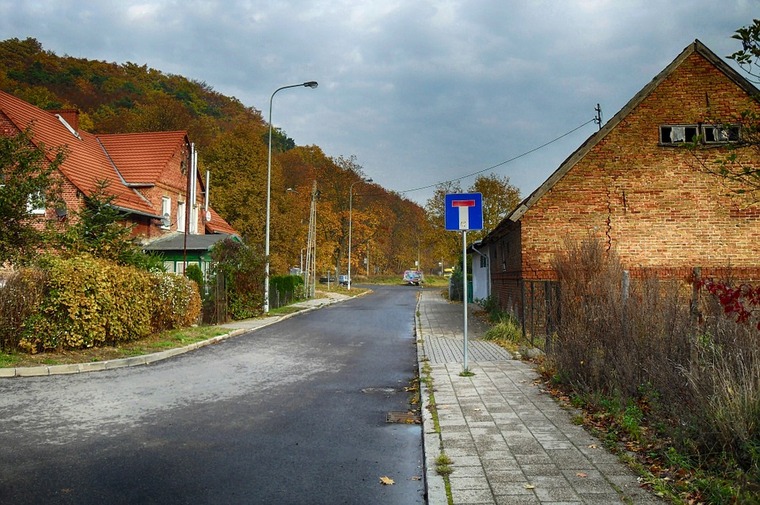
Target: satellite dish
[(208, 216)]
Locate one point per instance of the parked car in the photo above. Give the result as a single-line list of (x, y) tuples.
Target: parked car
[(343, 280), (413, 277)]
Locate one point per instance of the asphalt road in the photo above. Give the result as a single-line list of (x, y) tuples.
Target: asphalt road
[(294, 413)]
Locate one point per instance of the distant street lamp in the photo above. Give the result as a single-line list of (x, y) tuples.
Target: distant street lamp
[(308, 84), (350, 216)]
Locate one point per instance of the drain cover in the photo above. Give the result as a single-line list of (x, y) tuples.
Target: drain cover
[(402, 417)]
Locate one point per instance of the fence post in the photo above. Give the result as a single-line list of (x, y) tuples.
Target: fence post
[(624, 288), (696, 278), (522, 306), (549, 316)]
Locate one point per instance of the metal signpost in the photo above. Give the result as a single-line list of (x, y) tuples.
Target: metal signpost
[(464, 212)]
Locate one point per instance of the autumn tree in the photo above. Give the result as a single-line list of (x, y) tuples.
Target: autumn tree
[(237, 161), (499, 199), (27, 181)]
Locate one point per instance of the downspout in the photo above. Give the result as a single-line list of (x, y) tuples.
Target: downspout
[(488, 266)]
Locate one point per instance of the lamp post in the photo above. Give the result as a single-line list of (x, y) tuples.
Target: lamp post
[(350, 222), (308, 84)]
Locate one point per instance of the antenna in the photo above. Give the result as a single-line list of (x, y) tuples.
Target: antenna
[(598, 117)]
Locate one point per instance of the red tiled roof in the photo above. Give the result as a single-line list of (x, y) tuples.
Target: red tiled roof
[(142, 157), (119, 159), (219, 225), (86, 162)]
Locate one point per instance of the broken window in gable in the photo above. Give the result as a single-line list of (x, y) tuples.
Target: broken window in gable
[(676, 134)]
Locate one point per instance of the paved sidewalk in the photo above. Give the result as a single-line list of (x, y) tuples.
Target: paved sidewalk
[(510, 443)]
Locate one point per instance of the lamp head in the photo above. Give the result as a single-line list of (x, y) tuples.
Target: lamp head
[(311, 84)]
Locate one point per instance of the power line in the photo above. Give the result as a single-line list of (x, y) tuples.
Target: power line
[(594, 119)]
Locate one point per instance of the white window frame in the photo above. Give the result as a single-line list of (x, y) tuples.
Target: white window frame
[(36, 210), (166, 208), (181, 211)]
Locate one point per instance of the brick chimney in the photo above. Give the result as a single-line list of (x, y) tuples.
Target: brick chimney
[(71, 116)]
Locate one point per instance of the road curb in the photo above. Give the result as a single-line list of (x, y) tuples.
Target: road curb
[(435, 487)]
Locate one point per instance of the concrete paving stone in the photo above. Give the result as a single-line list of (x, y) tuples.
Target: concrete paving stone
[(503, 476), (512, 488), (498, 454), (606, 499), (531, 471), (459, 483), (473, 497), (456, 435), (458, 452), (570, 459), (556, 444), (516, 500), (525, 447), (555, 494), (463, 461), (495, 466), (450, 445), (476, 471), (536, 458)]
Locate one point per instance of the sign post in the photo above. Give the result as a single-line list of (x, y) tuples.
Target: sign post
[(464, 212)]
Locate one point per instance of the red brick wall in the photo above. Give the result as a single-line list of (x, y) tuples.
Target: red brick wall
[(172, 184), (653, 204)]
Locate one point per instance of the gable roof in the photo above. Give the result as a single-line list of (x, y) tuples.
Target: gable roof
[(86, 162), (695, 47), (127, 161), (141, 157), (218, 225)]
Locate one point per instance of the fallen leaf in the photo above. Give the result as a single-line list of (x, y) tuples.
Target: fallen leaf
[(529, 486), (592, 446), (582, 475), (386, 481), (416, 477)]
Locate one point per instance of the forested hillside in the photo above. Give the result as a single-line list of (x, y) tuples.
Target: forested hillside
[(232, 143)]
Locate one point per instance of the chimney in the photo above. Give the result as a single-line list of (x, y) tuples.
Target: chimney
[(71, 116)]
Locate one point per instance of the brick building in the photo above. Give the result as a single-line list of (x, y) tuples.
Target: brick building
[(146, 172), (636, 187)]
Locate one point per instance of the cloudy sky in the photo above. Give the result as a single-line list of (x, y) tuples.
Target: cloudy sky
[(420, 91)]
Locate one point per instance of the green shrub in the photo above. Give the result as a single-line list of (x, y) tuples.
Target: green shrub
[(194, 273), (506, 329)]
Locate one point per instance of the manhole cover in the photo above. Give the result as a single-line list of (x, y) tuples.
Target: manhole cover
[(402, 417)]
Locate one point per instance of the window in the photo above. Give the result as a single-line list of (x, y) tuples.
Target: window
[(717, 134), (36, 204), (678, 134), (166, 212), (708, 134), (483, 262), (180, 216)]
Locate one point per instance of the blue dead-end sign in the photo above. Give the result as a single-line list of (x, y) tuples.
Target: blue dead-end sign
[(464, 211)]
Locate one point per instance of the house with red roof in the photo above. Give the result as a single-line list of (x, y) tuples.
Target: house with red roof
[(147, 174)]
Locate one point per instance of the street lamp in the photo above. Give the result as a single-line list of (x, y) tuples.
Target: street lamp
[(308, 84), (350, 216)]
